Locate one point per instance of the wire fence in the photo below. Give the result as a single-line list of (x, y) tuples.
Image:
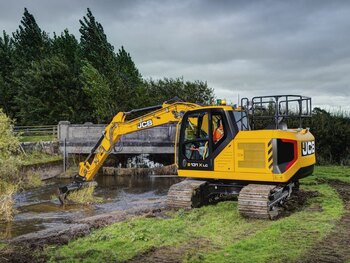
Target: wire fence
[(36, 131)]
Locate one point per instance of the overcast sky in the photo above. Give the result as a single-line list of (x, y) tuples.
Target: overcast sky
[(249, 48)]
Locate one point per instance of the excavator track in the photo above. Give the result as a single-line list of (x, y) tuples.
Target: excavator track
[(186, 194), (254, 200), (257, 201)]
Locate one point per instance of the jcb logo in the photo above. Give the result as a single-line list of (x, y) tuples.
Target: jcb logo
[(308, 148), (145, 124)]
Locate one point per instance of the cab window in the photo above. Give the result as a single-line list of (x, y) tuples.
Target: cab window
[(196, 136), (241, 119)]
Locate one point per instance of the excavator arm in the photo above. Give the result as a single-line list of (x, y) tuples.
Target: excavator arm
[(162, 114)]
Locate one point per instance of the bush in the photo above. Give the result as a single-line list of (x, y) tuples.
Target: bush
[(9, 143), (332, 133), (9, 167)]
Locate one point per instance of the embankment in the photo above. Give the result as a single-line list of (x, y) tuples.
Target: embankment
[(46, 170)]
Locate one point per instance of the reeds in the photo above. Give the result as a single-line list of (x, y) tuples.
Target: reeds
[(85, 195), (7, 191), (32, 180)]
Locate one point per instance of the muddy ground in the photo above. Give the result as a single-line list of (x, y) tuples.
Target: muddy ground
[(26, 247), (334, 248)]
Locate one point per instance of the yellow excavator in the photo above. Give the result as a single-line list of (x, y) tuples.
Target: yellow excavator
[(223, 152)]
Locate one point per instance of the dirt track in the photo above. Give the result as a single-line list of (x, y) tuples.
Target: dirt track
[(335, 248)]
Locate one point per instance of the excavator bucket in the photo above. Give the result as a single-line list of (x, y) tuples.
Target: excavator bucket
[(65, 190), (78, 183)]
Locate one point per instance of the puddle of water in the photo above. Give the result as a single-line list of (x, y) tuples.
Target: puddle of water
[(39, 208)]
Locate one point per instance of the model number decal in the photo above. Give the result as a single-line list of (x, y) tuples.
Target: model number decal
[(307, 148), (144, 124), (201, 165)]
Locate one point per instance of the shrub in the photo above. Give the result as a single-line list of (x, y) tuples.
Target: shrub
[(6, 201), (9, 167)]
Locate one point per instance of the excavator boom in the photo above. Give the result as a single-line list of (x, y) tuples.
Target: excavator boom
[(161, 114)]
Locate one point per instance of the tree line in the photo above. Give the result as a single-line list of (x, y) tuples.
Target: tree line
[(46, 79), (332, 136)]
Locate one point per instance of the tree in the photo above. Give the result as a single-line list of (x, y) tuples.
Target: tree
[(103, 99), (31, 45), (49, 93), (30, 42), (66, 47), (95, 47), (165, 89), (116, 73), (332, 134), (129, 80), (7, 92)]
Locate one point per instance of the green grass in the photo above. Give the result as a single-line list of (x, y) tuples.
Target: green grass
[(224, 235), (40, 138), (287, 239), (2, 246), (124, 240), (341, 173)]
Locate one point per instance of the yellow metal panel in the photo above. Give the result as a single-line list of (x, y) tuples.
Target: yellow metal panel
[(254, 155), (241, 176), (225, 160)]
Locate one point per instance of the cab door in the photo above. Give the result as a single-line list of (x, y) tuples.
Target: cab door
[(203, 135)]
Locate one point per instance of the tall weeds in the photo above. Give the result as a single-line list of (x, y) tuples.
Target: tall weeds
[(7, 191), (84, 196), (9, 167)]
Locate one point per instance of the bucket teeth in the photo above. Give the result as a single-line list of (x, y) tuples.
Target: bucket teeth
[(62, 198)]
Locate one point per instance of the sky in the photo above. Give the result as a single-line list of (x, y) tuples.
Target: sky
[(241, 48)]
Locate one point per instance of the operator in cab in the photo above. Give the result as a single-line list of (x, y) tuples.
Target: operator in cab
[(218, 133)]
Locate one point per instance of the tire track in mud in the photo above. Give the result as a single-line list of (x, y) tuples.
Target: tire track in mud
[(334, 248), (172, 254)]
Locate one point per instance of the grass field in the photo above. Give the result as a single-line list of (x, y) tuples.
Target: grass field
[(216, 233)]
